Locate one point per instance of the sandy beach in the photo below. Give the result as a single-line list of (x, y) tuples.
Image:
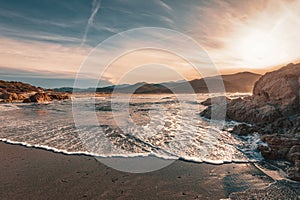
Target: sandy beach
[(30, 173)]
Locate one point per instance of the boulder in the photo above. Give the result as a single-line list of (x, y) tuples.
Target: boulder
[(44, 97), (244, 129), (280, 146), (294, 171), (274, 112), (9, 97), (275, 95), (22, 96), (60, 96), (39, 98), (27, 100), (215, 100), (294, 153), (280, 88)]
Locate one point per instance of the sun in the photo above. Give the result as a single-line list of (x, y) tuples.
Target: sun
[(259, 49)]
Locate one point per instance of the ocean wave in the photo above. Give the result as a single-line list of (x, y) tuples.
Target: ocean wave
[(130, 155), (162, 129)]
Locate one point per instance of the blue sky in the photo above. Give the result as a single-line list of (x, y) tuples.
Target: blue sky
[(49, 40)]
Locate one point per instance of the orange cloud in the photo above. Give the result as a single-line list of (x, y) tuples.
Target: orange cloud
[(41, 56)]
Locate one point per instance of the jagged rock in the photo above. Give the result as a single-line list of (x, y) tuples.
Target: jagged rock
[(22, 96), (44, 97), (244, 129), (275, 95), (274, 112), (60, 96), (279, 146), (9, 97), (17, 87), (22, 92), (294, 153), (215, 100), (280, 88), (294, 172), (27, 100), (39, 98)]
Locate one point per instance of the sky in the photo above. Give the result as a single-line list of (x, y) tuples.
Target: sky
[(46, 43)]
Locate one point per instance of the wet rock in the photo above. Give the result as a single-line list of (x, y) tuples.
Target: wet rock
[(39, 98), (279, 146), (27, 100), (22, 96), (45, 97), (9, 96), (244, 129), (275, 95), (59, 96), (215, 100), (294, 153), (294, 172), (216, 112), (22, 92)]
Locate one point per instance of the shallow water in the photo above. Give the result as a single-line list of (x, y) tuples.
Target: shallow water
[(165, 126)]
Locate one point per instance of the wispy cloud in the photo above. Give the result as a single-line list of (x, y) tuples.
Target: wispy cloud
[(94, 11), (13, 32), (165, 5), (55, 58)]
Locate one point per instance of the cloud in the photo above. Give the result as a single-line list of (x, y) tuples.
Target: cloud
[(164, 5), (221, 27), (95, 9), (41, 56)]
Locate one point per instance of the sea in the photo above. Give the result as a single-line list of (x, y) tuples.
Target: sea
[(165, 126)]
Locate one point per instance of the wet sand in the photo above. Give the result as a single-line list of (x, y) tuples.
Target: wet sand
[(30, 173)]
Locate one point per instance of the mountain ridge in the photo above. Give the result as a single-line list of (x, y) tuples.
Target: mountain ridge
[(237, 82)]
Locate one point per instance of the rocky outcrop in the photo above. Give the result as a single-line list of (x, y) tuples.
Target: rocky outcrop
[(8, 97), (294, 172), (46, 97), (280, 146), (280, 88), (38, 98), (59, 96), (22, 92), (274, 112), (275, 95), (215, 100), (244, 129), (17, 87)]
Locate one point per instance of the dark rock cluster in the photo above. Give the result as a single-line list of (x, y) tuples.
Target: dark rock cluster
[(26, 93), (273, 111)]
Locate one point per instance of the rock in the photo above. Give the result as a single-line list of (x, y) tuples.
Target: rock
[(294, 153), (60, 96), (275, 95), (17, 87), (274, 112), (27, 100), (279, 146), (22, 96), (244, 129), (280, 88), (44, 97), (39, 98), (216, 112), (294, 172), (215, 100), (9, 96)]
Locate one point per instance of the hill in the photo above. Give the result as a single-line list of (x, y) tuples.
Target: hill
[(239, 82)]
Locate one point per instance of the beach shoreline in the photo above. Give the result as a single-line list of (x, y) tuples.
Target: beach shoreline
[(31, 173)]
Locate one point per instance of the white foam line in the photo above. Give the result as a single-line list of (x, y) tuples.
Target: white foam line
[(131, 155)]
